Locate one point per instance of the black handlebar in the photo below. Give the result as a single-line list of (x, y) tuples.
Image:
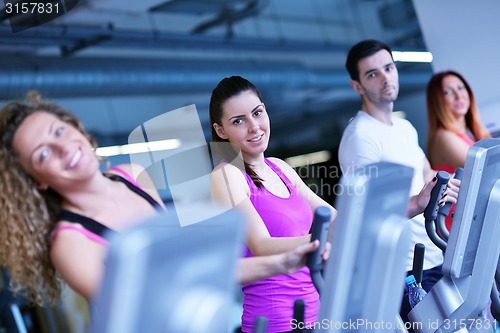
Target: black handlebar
[(321, 223), (444, 211), (495, 297), (260, 325), (431, 211), (299, 309), (418, 261)]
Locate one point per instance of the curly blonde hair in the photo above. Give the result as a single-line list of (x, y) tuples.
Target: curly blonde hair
[(28, 215)]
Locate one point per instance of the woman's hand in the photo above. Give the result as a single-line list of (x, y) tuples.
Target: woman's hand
[(295, 259), (451, 192)]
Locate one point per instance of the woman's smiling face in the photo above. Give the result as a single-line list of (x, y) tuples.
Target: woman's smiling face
[(52, 151), (245, 123)]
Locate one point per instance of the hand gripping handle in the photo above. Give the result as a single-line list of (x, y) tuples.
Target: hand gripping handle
[(321, 223), (445, 210), (430, 212)]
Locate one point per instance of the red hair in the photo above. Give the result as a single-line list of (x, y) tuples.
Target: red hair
[(440, 116)]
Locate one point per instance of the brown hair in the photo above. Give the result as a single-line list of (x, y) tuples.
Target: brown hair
[(360, 51)]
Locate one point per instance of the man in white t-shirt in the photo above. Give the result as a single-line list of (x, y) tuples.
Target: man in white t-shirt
[(375, 135)]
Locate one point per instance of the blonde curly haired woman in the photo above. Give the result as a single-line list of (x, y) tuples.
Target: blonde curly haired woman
[(56, 204)]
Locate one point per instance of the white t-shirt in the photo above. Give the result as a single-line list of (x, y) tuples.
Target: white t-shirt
[(367, 140)]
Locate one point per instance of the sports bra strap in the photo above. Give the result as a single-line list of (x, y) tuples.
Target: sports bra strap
[(88, 223), (83, 231), (136, 189), (125, 174), (96, 227)]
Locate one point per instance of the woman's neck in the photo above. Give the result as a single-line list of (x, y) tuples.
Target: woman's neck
[(257, 162), (82, 197), (460, 124)]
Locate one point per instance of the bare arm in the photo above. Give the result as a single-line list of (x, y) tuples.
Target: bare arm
[(258, 268), (80, 262), (417, 203), (429, 173), (230, 188)]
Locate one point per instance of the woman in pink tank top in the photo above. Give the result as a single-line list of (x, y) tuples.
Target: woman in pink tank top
[(454, 122), (278, 205)]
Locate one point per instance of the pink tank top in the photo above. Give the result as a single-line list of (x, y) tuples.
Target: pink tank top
[(273, 298)]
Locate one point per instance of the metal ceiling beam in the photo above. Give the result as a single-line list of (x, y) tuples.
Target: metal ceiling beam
[(68, 36)]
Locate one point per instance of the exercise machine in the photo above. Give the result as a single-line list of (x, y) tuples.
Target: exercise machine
[(364, 276), (471, 253), (162, 277)]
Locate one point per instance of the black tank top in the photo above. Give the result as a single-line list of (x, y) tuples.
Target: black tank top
[(97, 227)]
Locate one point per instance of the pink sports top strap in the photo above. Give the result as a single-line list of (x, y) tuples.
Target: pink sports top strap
[(467, 139), (83, 231), (126, 175)]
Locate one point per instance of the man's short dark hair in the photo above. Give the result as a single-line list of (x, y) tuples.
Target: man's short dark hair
[(362, 50)]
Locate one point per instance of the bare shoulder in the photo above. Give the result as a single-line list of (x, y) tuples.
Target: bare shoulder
[(79, 260), (446, 141), (228, 184), (280, 163), (445, 136), (227, 172), (285, 167), (134, 170), (140, 175)]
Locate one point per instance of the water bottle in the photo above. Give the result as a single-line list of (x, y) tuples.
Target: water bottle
[(415, 292)]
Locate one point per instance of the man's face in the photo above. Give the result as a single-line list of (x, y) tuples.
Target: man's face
[(378, 79)]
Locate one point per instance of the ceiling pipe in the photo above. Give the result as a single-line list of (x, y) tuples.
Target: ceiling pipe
[(78, 77), (85, 77)]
